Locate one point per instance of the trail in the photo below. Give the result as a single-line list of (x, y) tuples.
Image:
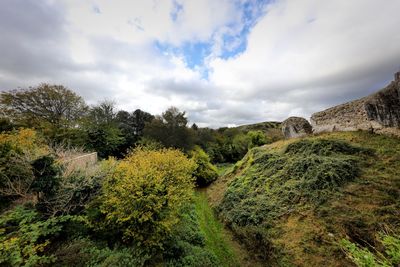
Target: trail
[(219, 238)]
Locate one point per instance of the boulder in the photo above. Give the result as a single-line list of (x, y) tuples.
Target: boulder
[(296, 127)]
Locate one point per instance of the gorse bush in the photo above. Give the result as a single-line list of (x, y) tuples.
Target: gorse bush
[(142, 197), (205, 172)]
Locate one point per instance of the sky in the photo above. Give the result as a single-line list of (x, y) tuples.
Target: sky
[(224, 62)]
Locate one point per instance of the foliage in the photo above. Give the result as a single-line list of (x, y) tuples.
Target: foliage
[(365, 258), (75, 190), (143, 196), (187, 243), (215, 236), (205, 172), (170, 130), (24, 237), (149, 144), (119, 257), (17, 150), (52, 107), (132, 126), (270, 185), (103, 134), (47, 176)]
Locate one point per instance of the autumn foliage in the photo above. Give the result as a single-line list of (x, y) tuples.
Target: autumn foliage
[(144, 194)]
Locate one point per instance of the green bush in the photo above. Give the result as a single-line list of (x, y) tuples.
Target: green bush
[(324, 147), (270, 185), (205, 172), (24, 237), (186, 246), (143, 196), (363, 257), (18, 150)]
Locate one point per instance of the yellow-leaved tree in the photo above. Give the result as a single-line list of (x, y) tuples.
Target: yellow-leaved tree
[(142, 197)]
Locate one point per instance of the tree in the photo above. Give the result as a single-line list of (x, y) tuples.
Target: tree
[(143, 196), (131, 126), (170, 130), (44, 106), (103, 134)]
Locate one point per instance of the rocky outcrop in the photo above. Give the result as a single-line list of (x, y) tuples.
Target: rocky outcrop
[(296, 127), (379, 112)]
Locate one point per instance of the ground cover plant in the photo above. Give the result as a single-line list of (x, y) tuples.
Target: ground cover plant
[(291, 201)]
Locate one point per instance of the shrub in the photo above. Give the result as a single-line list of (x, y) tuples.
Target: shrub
[(205, 172), (186, 245), (143, 196), (324, 147), (75, 189), (17, 150), (365, 258), (270, 185), (24, 237)]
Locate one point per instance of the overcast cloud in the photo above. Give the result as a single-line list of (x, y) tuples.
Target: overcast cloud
[(225, 62)]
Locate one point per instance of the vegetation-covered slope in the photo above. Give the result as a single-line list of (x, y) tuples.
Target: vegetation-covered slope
[(291, 202)]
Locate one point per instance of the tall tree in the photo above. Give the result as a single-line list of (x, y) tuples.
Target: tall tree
[(131, 126), (103, 133), (50, 104), (170, 129)]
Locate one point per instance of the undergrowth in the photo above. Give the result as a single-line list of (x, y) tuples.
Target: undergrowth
[(320, 183)]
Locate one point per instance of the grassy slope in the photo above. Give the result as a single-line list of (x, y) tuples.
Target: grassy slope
[(307, 233)]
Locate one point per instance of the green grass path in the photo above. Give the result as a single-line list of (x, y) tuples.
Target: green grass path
[(217, 240)]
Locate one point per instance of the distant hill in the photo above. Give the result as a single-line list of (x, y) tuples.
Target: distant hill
[(291, 202), (262, 126)]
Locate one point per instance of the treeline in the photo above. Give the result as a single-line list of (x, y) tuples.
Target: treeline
[(63, 117)]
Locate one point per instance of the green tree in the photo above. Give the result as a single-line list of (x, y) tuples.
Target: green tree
[(132, 126), (103, 134), (54, 109), (143, 196), (170, 130)]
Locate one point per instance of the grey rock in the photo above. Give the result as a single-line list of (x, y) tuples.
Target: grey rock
[(296, 127), (379, 112)]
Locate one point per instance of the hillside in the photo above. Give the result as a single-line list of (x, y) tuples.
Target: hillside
[(261, 126), (292, 201)]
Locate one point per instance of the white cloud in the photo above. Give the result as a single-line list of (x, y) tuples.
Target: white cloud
[(301, 56)]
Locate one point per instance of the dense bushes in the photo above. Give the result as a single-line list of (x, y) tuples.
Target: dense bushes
[(271, 185), (143, 196), (205, 172), (24, 236), (17, 152)]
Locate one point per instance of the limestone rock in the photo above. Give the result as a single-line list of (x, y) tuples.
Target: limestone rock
[(377, 112), (296, 127)]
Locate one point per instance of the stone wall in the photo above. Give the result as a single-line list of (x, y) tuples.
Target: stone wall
[(379, 112), (80, 162)]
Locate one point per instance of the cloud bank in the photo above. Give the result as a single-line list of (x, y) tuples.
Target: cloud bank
[(225, 62)]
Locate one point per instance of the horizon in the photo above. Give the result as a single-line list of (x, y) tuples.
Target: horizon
[(226, 63)]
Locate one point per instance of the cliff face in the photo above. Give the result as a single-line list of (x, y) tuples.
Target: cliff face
[(378, 112)]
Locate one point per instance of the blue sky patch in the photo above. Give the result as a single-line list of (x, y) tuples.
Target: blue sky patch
[(234, 42)]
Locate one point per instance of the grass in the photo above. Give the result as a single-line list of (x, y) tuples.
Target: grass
[(224, 168), (291, 201), (216, 240)]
